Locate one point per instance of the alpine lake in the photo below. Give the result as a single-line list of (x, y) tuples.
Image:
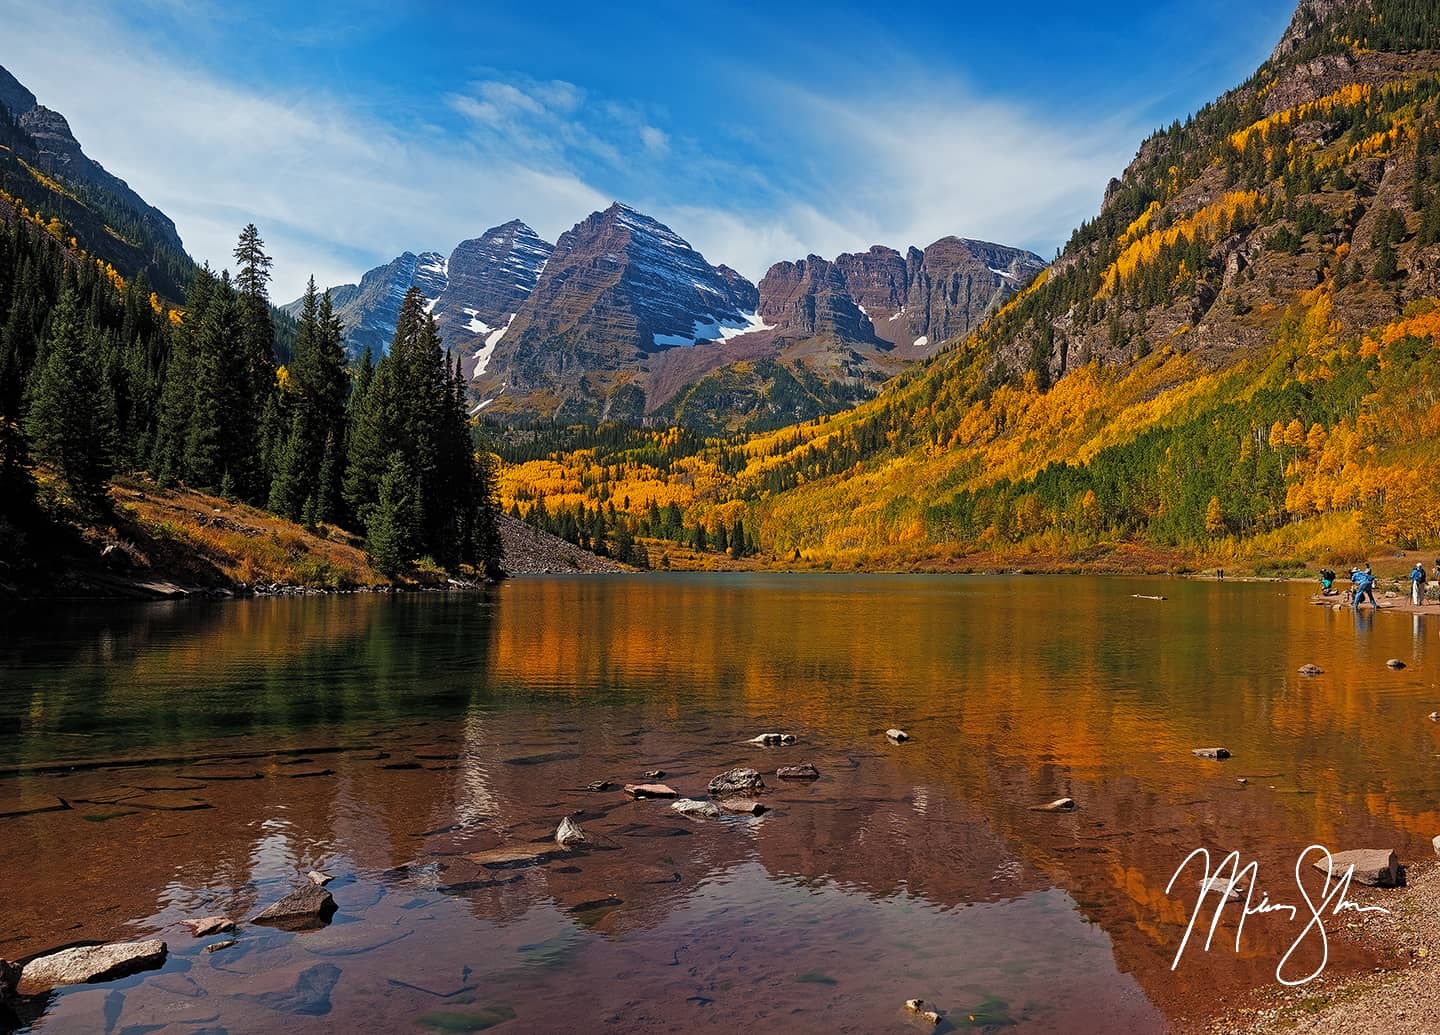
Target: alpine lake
[(211, 753)]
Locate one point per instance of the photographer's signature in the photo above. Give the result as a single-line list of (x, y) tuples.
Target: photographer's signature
[(1231, 879)]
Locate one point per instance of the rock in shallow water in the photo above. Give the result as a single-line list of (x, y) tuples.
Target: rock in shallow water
[(897, 735), (918, 1008), (742, 806), (308, 908), (1311, 670), (1058, 805), (803, 771), (308, 997), (569, 833), (650, 790), (1377, 867), (210, 925), (90, 963), (772, 739), (696, 809), (1395, 663), (1216, 753), (735, 783)]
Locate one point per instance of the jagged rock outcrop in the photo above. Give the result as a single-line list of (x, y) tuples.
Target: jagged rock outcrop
[(43, 164)]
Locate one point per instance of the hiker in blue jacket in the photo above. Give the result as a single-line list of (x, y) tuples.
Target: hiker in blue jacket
[(1417, 585), (1364, 583)]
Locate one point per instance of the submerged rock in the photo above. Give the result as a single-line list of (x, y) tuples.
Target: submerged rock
[(803, 771), (918, 1008), (228, 943), (308, 997), (89, 963), (1058, 805), (1219, 754), (650, 790), (696, 809), (736, 782), (599, 785), (569, 833), (1376, 867), (1221, 886), (310, 907), (655, 774), (897, 735), (210, 925), (1311, 670), (512, 856)]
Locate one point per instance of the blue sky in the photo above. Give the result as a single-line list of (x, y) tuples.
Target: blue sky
[(759, 132)]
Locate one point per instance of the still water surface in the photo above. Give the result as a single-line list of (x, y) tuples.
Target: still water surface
[(229, 747)]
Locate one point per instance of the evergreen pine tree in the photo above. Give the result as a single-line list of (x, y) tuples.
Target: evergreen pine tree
[(391, 536), (68, 424)]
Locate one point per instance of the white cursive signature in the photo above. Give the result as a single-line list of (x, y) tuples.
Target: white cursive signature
[(1225, 880)]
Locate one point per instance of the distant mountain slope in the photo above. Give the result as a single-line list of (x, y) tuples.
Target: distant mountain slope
[(43, 166), (1239, 355), (623, 320)]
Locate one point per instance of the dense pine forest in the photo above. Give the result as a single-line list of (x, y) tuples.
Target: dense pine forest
[(99, 377)]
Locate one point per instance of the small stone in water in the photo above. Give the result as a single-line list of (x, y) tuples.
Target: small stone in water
[(1395, 663), (650, 790), (1215, 753), (569, 833), (1311, 670), (803, 771), (771, 739), (736, 782), (897, 735), (696, 809), (217, 946), (599, 785), (655, 774), (210, 925), (918, 1008), (1058, 805), (319, 878)]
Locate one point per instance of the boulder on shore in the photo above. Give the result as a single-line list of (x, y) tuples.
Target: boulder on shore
[(803, 771), (1219, 754), (696, 809), (310, 907), (735, 783), (1058, 805), (1376, 867), (650, 790), (89, 963)]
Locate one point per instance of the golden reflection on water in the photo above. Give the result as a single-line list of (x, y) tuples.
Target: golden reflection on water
[(1016, 691)]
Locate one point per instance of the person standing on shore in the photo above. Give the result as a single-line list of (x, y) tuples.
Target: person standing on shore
[(1364, 583), (1417, 585)]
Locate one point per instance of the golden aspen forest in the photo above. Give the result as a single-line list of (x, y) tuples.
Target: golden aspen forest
[(1232, 366)]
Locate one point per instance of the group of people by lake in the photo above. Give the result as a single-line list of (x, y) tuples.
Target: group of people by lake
[(1362, 584)]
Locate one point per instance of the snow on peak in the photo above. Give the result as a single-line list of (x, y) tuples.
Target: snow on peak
[(1003, 273), (487, 349), (715, 330), (922, 341)]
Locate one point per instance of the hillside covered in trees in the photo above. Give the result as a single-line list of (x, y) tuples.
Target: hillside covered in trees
[(1236, 359), (99, 378)]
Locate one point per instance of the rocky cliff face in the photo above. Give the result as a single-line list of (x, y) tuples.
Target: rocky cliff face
[(368, 310), (488, 279), (110, 220), (619, 288)]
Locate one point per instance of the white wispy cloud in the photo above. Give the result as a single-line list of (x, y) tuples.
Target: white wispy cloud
[(335, 190)]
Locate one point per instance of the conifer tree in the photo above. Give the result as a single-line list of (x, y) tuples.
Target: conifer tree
[(67, 423)]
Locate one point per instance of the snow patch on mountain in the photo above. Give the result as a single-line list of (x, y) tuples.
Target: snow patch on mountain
[(715, 330)]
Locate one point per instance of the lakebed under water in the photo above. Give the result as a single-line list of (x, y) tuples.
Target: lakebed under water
[(213, 752)]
